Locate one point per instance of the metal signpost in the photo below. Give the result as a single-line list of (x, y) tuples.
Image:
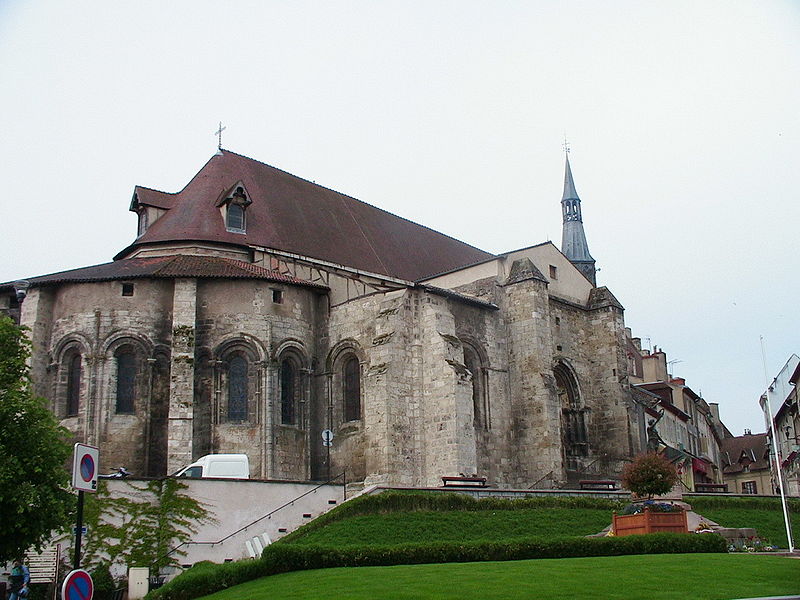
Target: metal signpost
[(85, 463), (327, 441)]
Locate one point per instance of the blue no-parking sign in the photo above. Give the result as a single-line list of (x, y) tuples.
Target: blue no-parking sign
[(85, 463), (78, 585)]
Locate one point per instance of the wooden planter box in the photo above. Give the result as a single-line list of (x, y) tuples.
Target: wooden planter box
[(650, 522)]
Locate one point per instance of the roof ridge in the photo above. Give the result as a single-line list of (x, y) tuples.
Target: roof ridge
[(144, 187)]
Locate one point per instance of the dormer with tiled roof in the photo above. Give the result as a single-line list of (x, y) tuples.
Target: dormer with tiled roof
[(149, 205)]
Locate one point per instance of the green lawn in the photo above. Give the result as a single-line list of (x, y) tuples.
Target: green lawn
[(769, 524), (445, 526), (763, 514), (650, 577)]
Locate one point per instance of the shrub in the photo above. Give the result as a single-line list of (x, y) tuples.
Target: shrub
[(649, 474), (282, 558), (104, 583)]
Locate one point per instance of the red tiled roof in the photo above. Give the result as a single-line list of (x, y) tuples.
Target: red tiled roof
[(168, 267), (297, 216), (151, 197)]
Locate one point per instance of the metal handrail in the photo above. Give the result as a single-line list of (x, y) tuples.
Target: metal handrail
[(542, 478), (244, 528)]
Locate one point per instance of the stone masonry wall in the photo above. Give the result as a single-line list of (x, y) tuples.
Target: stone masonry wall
[(95, 319)]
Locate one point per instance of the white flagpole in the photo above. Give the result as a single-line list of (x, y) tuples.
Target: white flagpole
[(776, 457)]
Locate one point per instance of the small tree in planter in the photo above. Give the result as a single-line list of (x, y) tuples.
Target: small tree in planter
[(649, 475)]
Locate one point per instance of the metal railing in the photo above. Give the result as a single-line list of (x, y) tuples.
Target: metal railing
[(342, 476)]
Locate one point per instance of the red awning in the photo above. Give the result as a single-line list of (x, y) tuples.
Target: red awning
[(699, 466)]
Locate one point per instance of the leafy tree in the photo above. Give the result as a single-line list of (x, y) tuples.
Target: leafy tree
[(140, 523), (34, 497), (649, 475)]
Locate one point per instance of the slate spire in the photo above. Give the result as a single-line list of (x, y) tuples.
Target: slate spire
[(573, 239)]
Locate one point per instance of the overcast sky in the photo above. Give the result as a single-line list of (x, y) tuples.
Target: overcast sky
[(683, 119)]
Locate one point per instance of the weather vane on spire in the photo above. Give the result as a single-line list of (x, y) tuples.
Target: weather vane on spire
[(218, 133), (565, 145)]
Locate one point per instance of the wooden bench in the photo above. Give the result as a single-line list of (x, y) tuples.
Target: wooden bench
[(598, 484), (712, 488), (464, 481)]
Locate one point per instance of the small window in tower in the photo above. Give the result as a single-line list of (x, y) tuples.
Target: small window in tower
[(277, 296), (553, 272), (127, 289)]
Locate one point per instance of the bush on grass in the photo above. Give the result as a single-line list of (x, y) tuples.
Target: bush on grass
[(282, 558)]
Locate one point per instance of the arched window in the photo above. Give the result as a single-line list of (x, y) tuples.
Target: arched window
[(126, 380), (73, 385), (573, 421), (351, 389), (479, 409), (235, 217), (290, 389), (237, 388)]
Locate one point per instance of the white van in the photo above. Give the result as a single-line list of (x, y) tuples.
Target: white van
[(226, 466)]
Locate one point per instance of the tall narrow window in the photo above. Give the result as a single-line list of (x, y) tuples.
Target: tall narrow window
[(235, 218), (473, 365), (237, 388), (73, 385), (351, 376), (288, 391), (142, 221), (126, 381)]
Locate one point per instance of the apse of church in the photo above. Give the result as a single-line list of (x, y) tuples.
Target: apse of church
[(300, 310)]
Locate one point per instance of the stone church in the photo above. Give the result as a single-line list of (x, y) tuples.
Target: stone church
[(255, 310)]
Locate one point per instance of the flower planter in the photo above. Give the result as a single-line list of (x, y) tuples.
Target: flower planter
[(650, 522)]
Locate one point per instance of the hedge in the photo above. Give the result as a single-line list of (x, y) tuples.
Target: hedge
[(205, 578), (738, 502)]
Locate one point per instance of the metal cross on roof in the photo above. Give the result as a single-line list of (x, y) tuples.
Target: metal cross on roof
[(218, 132)]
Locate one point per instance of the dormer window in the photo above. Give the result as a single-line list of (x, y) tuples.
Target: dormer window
[(142, 221), (234, 206)]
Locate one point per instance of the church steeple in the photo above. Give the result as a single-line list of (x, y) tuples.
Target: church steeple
[(573, 239)]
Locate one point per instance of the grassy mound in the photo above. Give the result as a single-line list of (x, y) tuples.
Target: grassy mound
[(763, 514), (456, 526), (397, 517)]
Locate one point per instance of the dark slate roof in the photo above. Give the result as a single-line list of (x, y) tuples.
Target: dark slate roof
[(569, 184), (445, 293), (602, 297), (744, 450), (167, 267), (297, 216)]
